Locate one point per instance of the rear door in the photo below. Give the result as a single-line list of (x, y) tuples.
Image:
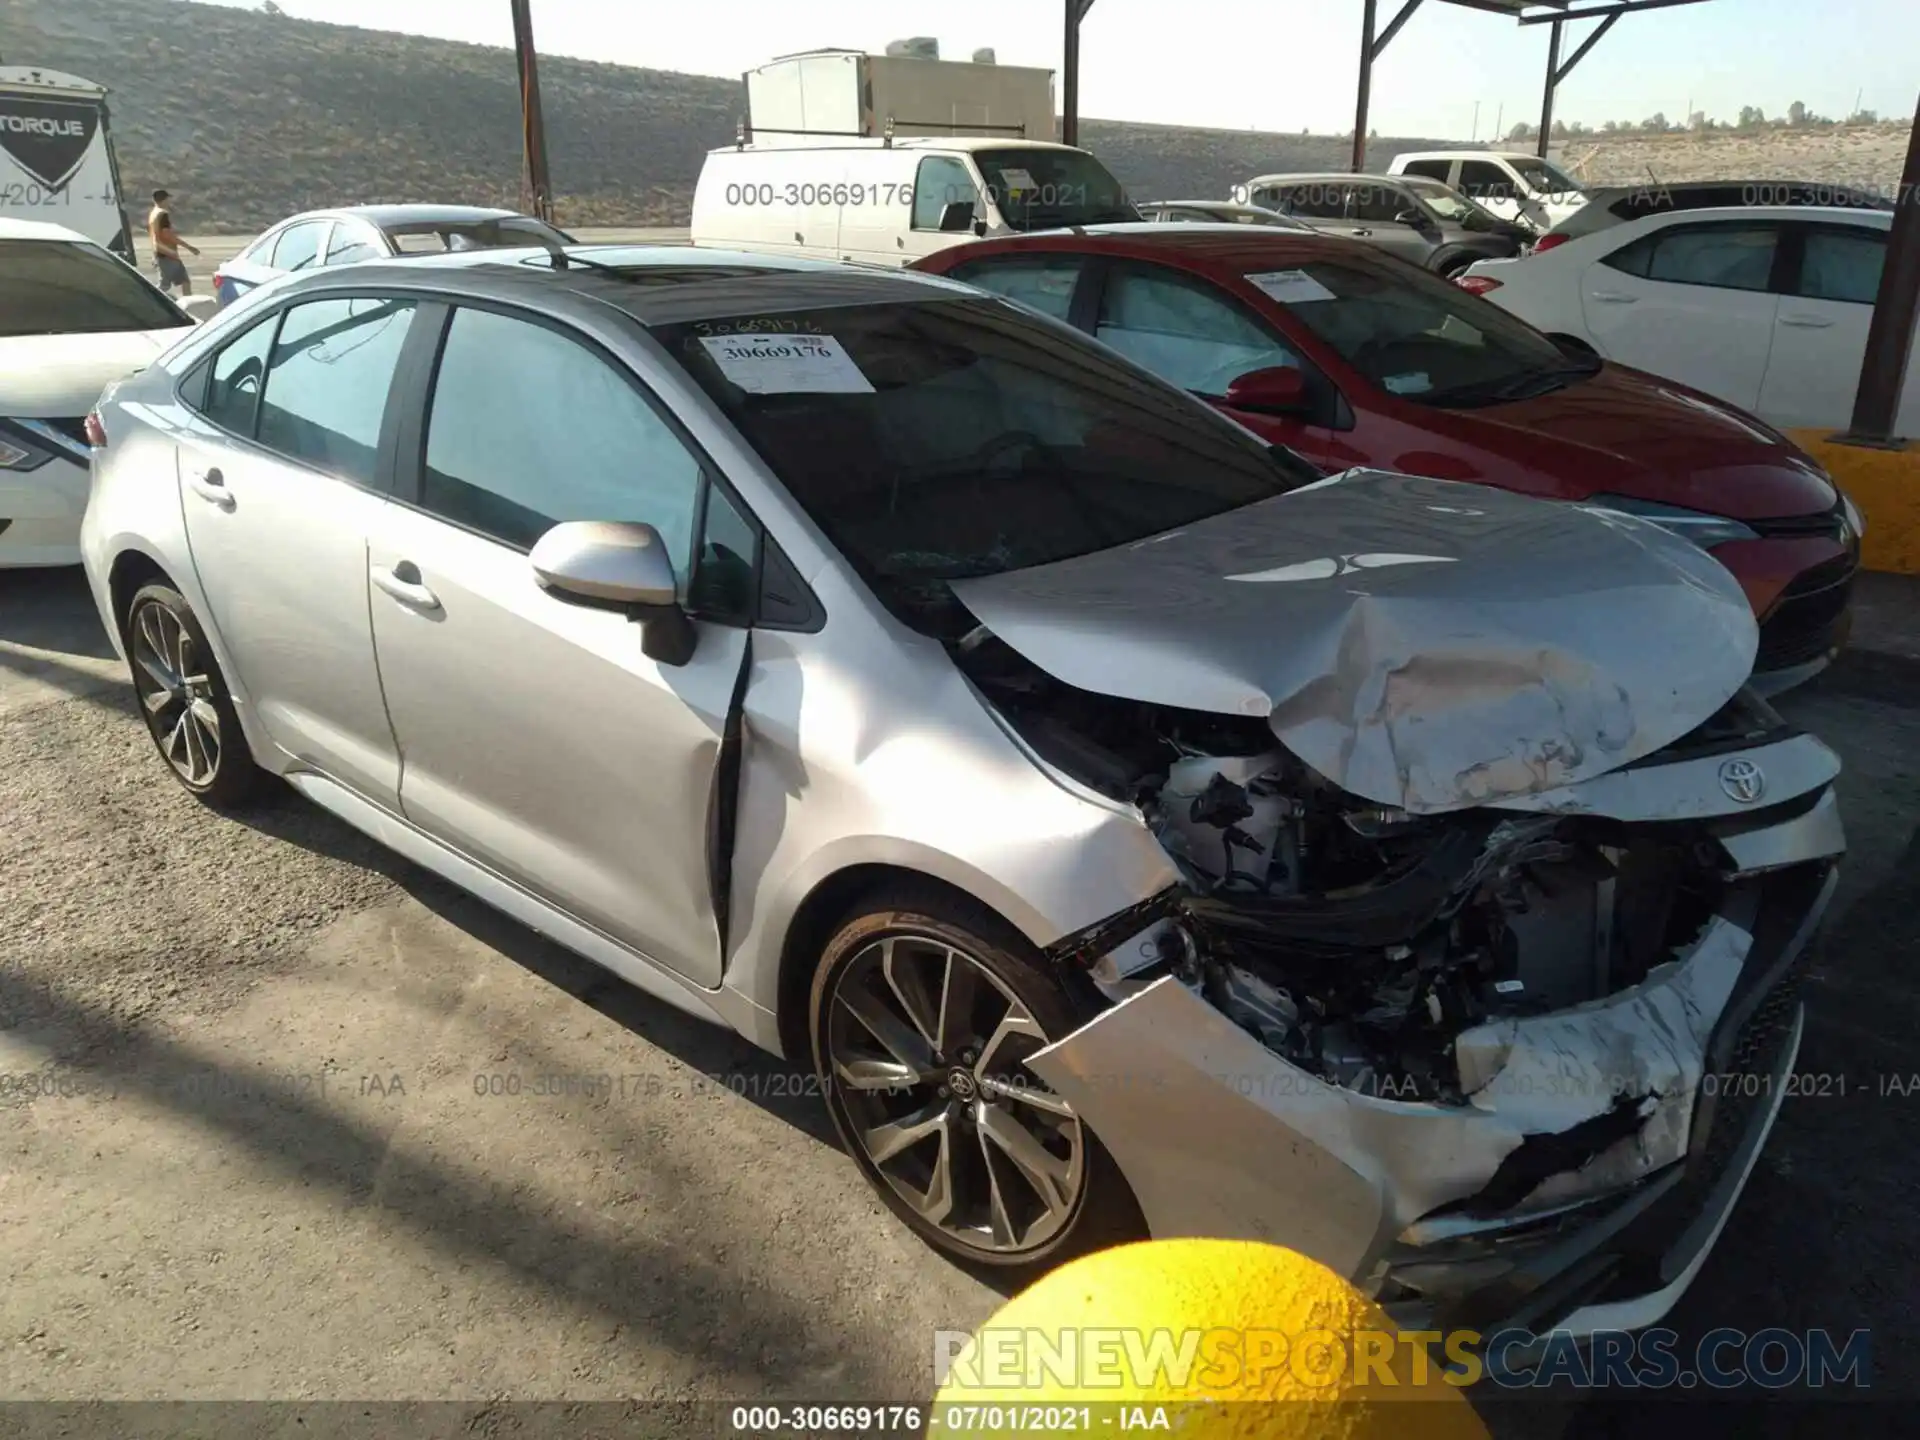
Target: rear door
[(1693, 301), (1820, 335), (540, 740), (282, 477)]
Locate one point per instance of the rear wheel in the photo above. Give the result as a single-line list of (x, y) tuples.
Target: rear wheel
[(924, 1011), (184, 699)]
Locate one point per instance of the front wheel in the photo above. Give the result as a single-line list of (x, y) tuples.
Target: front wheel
[(184, 699), (923, 1013)]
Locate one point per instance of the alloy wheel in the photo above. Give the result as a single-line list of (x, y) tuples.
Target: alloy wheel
[(176, 693), (926, 1050)]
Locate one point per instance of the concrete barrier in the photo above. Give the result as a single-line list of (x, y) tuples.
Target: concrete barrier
[(1885, 484)]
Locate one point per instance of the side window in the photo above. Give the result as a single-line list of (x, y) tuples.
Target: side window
[(1041, 282), (528, 428), (1318, 200), (299, 245), (351, 243), (1432, 169), (1727, 257), (233, 393), (1274, 197), (1378, 204), (1184, 330), (1843, 265), (941, 181), (1484, 180), (1634, 259), (722, 584), (328, 381)]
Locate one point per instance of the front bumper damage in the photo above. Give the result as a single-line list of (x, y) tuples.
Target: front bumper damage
[(1590, 1166)]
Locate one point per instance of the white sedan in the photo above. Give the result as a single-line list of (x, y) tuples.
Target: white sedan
[(1766, 307), (73, 317)]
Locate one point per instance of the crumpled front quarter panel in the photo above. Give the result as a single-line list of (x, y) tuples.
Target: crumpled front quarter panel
[(1422, 643)]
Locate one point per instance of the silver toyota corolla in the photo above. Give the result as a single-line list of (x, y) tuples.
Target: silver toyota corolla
[(1134, 831)]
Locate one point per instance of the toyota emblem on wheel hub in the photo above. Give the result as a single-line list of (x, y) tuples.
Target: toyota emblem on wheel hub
[(1743, 781)]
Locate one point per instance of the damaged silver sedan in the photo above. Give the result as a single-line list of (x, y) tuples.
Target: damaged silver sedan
[(1135, 831)]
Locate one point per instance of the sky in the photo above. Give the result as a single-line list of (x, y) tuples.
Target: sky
[(1284, 65)]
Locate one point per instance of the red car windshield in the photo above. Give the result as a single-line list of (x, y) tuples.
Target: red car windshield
[(1422, 338)]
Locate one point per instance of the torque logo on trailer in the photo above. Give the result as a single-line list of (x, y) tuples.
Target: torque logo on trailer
[(47, 138)]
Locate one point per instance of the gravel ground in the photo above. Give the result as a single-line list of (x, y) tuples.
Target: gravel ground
[(271, 1174)]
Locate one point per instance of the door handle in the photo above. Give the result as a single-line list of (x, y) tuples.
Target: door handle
[(402, 582), (1806, 322), (1358, 233), (211, 486), (1614, 297)]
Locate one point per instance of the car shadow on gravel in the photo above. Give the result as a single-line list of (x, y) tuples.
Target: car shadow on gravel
[(687, 1303), (784, 1090)]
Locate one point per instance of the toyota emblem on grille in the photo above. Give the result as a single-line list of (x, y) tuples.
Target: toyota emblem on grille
[(1743, 781)]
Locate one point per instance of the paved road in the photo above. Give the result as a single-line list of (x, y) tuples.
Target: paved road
[(215, 248), (286, 1180)]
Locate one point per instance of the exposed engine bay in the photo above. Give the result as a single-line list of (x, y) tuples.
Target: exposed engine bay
[(1355, 942)]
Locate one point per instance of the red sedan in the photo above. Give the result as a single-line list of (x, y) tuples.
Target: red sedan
[(1351, 357)]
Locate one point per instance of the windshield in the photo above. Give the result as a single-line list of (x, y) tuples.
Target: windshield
[(1422, 338), (1546, 178), (433, 239), (1047, 189), (60, 287), (1450, 205), (937, 441)]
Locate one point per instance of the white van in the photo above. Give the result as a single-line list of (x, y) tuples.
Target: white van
[(889, 202), (1515, 186)]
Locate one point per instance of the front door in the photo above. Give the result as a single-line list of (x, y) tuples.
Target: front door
[(538, 738), (1692, 302), (280, 483)]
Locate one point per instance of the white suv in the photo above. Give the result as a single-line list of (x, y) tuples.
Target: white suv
[(1514, 186)]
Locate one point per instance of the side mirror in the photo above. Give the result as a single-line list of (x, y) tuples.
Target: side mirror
[(1410, 217), (957, 218), (1276, 390), (618, 565)]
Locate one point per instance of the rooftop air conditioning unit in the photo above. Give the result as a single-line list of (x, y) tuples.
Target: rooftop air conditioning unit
[(983, 57), (919, 47)]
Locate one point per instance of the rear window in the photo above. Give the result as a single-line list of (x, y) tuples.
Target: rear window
[(436, 239), (59, 287)]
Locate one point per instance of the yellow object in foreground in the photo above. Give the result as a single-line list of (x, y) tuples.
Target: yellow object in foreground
[(1203, 1339)]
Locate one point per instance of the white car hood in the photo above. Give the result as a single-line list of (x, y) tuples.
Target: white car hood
[(1424, 644), (61, 376)]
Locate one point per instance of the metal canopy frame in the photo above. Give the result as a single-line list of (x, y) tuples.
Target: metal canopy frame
[(1373, 41)]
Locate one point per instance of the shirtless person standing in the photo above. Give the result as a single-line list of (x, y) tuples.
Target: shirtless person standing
[(167, 245)]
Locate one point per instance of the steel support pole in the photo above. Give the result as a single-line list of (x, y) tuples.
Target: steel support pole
[(1553, 83), (533, 129), (1365, 102), (1070, 72), (1883, 374)]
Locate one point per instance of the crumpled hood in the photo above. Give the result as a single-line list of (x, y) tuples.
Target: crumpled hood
[(1424, 644), (61, 376)]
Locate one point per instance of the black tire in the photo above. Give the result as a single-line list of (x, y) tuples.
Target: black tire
[(1449, 264), (1102, 1212), (226, 776)]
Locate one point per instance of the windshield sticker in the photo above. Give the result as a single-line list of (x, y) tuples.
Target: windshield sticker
[(1290, 287), (787, 364), (1417, 382), (1017, 180)]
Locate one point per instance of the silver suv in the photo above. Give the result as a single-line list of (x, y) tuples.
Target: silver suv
[(1131, 831)]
